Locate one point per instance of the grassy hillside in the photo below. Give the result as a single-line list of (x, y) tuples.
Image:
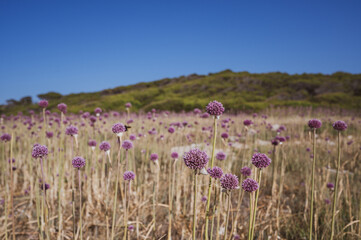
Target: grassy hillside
[(236, 90)]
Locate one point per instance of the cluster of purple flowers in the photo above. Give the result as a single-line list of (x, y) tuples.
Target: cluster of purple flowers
[(128, 176), (104, 146), (339, 125), (71, 130), (39, 151), (43, 103), (215, 108), (314, 123), (221, 156), (62, 107), (250, 185), (153, 157), (215, 172), (5, 137), (78, 162), (261, 160), (118, 128), (127, 145), (195, 159), (229, 181), (246, 171)]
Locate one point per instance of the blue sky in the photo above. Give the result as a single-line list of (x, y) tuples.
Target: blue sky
[(81, 46)]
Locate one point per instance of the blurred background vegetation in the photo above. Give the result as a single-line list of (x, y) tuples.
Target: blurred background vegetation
[(238, 91)]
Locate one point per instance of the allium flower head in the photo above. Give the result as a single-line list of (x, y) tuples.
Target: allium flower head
[(314, 123), (174, 155), (78, 162), (49, 134), (118, 128), (215, 108), (224, 135), (128, 105), (275, 142), (92, 143), (171, 130), (71, 130), (339, 125), (261, 160), (221, 156), (5, 137), (249, 185), (93, 119), (129, 176), (132, 137), (154, 157), (246, 171), (247, 122), (127, 145), (330, 186), (215, 172), (43, 103), (195, 159), (104, 146), (229, 181), (39, 151), (62, 107), (97, 110), (47, 186)]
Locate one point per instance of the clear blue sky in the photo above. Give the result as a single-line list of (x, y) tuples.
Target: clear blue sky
[(82, 46)]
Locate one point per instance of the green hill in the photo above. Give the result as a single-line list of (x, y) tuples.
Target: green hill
[(236, 90)]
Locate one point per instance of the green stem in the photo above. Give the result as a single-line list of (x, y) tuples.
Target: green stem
[(80, 208), (227, 218), (116, 191), (313, 181), (255, 203), (194, 206), (336, 187), (250, 217), (210, 179)]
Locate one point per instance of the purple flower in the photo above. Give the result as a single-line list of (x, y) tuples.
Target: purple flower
[(171, 130), (43, 103), (215, 172), (104, 146), (39, 151), (327, 201), (174, 155), (47, 186), (220, 156), (78, 162), (71, 130), (314, 123), (98, 110), (154, 157), (132, 137), (246, 171), (128, 105), (93, 119), (229, 181), (215, 108), (131, 228), (195, 159), (249, 185), (330, 186), (205, 115), (204, 199), (118, 128), (274, 142), (197, 111), (247, 122), (261, 160), (62, 107), (339, 125), (49, 134), (129, 176), (127, 145), (224, 135), (92, 143), (5, 137)]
